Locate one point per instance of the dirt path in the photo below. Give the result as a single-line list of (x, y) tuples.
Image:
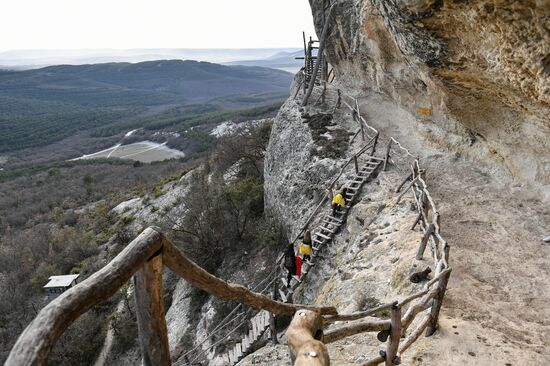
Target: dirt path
[(108, 343), (497, 309)]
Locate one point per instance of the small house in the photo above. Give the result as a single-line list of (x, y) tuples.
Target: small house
[(59, 284)]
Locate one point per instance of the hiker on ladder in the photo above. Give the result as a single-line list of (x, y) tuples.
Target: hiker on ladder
[(339, 201), (290, 263), (305, 246)]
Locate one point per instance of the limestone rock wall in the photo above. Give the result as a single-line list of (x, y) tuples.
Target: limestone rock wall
[(303, 157), (477, 70)]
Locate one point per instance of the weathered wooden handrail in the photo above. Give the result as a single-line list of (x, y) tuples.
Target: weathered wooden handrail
[(306, 347), (430, 299), (144, 255), (37, 340)]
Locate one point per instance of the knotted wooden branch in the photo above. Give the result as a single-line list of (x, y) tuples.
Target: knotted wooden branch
[(197, 276), (37, 340), (304, 339)]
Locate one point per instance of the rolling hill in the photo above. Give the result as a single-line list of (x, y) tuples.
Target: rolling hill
[(42, 106)]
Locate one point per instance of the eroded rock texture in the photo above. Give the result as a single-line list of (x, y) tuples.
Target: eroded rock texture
[(478, 70)]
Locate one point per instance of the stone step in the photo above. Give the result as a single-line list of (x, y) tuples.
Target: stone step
[(321, 242), (283, 295), (294, 285), (256, 328), (334, 219), (246, 343), (372, 163), (322, 235), (332, 231)]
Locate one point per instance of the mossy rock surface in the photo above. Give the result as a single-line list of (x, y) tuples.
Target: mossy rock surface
[(330, 140)]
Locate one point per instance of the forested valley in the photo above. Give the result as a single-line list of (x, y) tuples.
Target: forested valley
[(56, 213)]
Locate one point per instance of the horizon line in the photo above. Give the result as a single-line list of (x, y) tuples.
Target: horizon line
[(146, 48)]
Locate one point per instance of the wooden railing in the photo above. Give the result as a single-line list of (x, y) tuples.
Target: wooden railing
[(426, 303), (329, 191), (144, 258)]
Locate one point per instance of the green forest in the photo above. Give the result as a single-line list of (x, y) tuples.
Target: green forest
[(46, 105)]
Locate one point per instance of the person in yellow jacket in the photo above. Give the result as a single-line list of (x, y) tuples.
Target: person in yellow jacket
[(338, 201), (305, 246)]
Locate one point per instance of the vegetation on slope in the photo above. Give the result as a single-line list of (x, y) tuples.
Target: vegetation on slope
[(46, 105), (54, 222), (58, 220)]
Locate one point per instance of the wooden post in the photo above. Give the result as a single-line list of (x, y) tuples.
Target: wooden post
[(395, 336), (418, 219), (153, 335), (357, 113), (330, 194), (320, 56), (356, 164), (322, 42), (305, 348), (424, 241), (272, 325), (409, 177), (305, 51), (436, 304), (387, 156), (373, 150)]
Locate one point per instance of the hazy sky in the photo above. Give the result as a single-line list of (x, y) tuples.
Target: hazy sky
[(79, 24)]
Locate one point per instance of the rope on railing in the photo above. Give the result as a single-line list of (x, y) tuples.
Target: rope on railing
[(272, 275)]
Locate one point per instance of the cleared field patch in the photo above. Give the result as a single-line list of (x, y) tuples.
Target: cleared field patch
[(143, 151)]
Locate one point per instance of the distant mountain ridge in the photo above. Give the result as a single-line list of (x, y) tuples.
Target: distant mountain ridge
[(32, 59), (169, 80), (40, 106), (285, 60)]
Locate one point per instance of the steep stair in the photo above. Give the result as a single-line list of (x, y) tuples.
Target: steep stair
[(322, 235), (330, 225), (259, 324)]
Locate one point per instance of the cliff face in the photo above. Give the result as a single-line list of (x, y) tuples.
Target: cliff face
[(473, 72), (464, 86)]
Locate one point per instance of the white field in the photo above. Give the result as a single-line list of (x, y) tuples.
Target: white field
[(144, 151)]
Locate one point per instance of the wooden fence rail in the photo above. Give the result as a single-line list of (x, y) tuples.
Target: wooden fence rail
[(144, 256), (429, 300)]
